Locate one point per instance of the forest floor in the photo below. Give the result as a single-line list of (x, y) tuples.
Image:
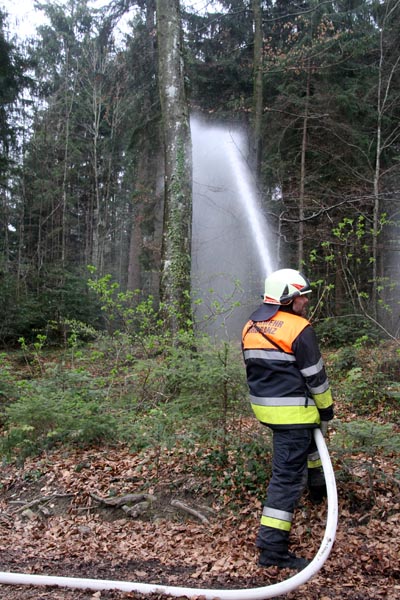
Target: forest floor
[(54, 521)]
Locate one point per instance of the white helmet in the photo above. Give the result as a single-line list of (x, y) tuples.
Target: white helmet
[(282, 286)]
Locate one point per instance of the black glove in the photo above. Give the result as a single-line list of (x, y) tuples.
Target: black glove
[(324, 427)]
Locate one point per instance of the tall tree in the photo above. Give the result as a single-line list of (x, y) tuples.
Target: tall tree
[(75, 205), (176, 249), (12, 82), (387, 132), (219, 47), (258, 100), (145, 140), (316, 84)]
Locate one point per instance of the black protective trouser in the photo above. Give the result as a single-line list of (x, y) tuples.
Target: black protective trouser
[(291, 448)]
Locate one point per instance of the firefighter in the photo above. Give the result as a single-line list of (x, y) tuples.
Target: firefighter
[(289, 393)]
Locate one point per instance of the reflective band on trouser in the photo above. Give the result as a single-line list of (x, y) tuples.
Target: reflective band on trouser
[(313, 460), (277, 519)]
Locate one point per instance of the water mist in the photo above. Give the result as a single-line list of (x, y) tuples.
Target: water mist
[(231, 253)]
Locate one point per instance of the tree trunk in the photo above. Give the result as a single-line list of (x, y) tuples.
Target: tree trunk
[(176, 244), (383, 107), (146, 175), (300, 246), (96, 60), (257, 85)]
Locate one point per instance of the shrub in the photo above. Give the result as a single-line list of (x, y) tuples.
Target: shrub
[(65, 408), (367, 437), (364, 390), (343, 331), (367, 376), (345, 359), (193, 390), (372, 440)]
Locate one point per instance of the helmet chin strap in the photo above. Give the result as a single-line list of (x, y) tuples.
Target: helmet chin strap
[(289, 297)]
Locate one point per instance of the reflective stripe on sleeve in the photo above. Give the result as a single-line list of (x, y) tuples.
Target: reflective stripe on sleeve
[(313, 370), (320, 389), (324, 400)]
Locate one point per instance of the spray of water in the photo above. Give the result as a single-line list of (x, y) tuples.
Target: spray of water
[(229, 233), (247, 196)]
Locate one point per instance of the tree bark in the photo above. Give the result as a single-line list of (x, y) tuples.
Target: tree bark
[(145, 199), (176, 244), (386, 74), (300, 245), (257, 85)]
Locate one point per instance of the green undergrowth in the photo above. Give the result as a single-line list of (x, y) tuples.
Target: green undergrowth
[(155, 394), (109, 391), (366, 378)]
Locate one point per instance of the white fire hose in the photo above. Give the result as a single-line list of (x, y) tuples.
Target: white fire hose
[(261, 593)]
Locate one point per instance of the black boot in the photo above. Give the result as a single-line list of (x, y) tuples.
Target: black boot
[(317, 493), (282, 560)]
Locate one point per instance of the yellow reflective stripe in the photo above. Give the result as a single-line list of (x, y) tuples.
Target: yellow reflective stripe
[(284, 415), (323, 400), (276, 523), (313, 464)]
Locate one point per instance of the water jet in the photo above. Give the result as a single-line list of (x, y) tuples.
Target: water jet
[(232, 241)]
